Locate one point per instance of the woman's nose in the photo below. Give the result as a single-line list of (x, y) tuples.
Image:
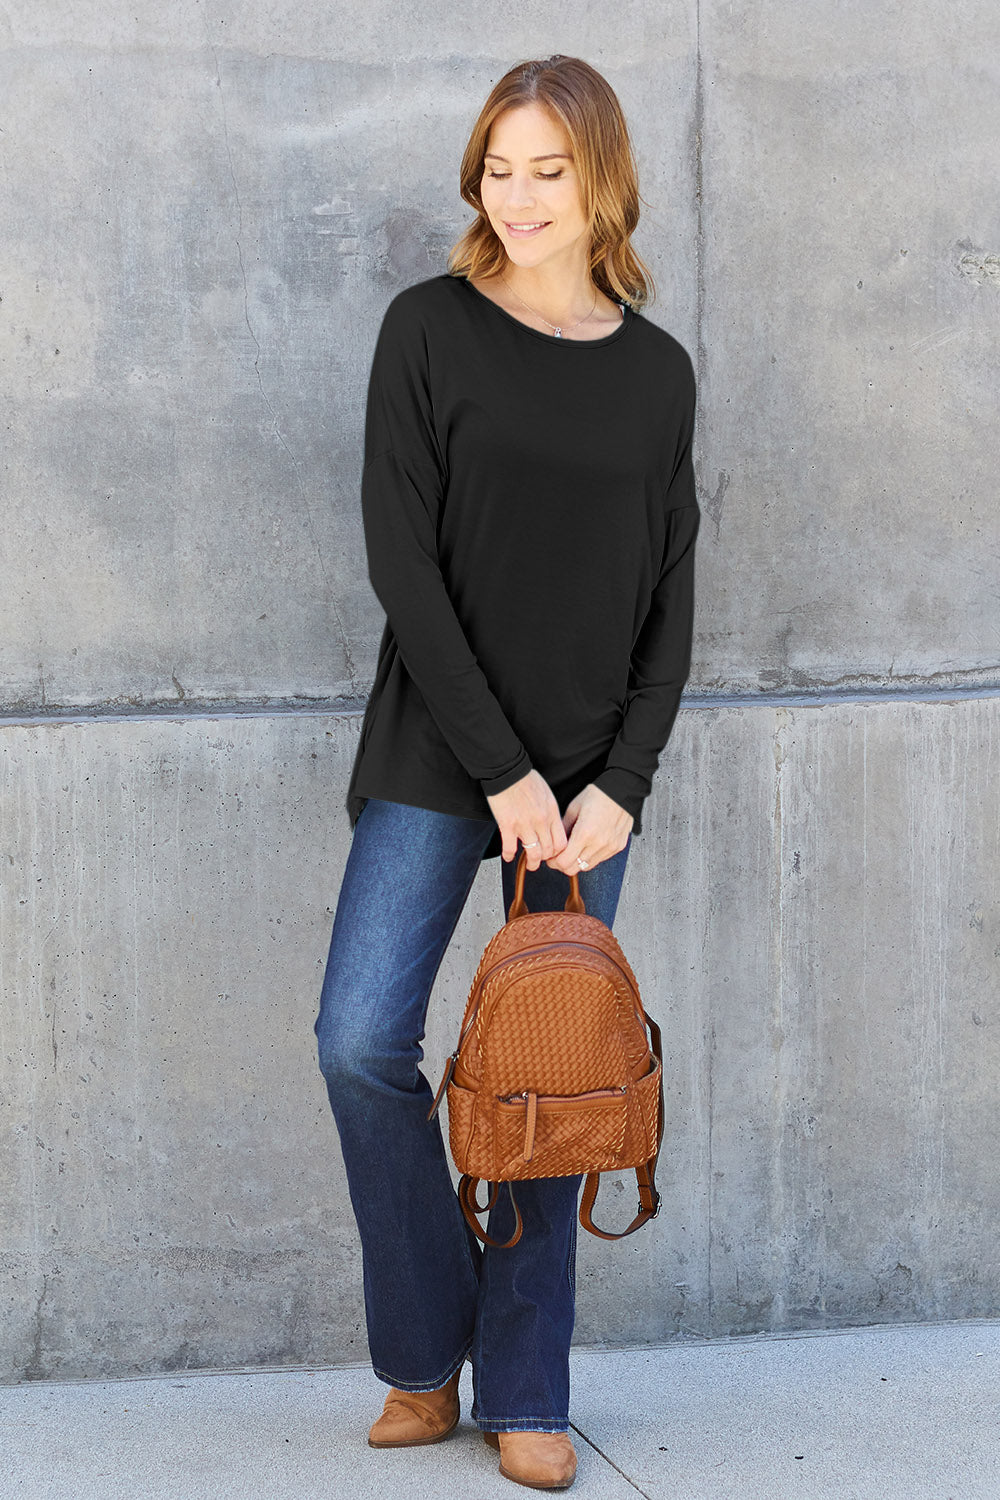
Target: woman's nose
[(520, 192)]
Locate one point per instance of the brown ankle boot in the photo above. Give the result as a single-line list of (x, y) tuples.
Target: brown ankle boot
[(410, 1418), (540, 1460)]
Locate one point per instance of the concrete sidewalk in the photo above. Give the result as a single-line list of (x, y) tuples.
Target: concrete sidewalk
[(907, 1411)]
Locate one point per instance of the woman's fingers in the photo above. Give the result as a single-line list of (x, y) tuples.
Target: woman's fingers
[(528, 813), (593, 829), (541, 840), (599, 828)]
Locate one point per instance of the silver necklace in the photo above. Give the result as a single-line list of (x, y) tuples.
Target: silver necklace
[(558, 328)]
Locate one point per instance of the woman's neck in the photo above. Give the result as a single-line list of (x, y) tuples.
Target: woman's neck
[(553, 292)]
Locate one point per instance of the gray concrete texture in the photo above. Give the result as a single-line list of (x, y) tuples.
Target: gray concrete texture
[(204, 210)]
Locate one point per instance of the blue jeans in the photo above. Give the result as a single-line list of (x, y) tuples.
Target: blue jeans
[(433, 1295)]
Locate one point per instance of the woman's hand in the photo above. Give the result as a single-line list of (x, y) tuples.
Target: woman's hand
[(598, 827), (529, 811), (594, 828)]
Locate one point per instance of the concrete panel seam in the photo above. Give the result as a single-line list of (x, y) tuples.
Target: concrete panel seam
[(206, 709)]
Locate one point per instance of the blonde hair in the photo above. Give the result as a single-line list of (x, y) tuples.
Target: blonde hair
[(588, 108)]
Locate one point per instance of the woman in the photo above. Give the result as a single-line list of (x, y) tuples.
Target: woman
[(530, 521)]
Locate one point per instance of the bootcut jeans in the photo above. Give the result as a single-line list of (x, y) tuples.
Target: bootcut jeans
[(433, 1295)]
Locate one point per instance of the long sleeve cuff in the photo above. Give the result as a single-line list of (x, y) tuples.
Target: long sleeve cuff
[(493, 784), (624, 787)]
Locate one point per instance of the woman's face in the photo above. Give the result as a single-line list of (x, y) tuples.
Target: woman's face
[(519, 189)]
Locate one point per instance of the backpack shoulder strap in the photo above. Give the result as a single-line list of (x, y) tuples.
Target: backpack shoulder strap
[(649, 1204), (467, 1189)]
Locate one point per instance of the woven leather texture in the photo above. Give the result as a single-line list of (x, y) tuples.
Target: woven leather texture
[(554, 1074)]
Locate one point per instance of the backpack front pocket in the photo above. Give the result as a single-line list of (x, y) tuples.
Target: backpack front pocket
[(558, 1135)]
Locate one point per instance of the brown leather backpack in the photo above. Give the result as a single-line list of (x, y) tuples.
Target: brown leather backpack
[(553, 1074)]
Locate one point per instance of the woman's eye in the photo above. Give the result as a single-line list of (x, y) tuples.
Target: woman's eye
[(548, 176)]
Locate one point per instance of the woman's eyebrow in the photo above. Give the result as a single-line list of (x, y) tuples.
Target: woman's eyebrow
[(552, 156)]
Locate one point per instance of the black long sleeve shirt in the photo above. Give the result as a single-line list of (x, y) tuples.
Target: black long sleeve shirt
[(530, 521)]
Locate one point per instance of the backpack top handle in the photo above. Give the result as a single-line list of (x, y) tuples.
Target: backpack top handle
[(574, 901)]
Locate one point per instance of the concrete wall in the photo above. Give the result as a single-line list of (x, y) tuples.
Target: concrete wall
[(203, 212)]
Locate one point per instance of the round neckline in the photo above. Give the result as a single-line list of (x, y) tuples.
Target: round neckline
[(551, 338)]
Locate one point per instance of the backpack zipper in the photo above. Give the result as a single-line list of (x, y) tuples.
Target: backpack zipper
[(622, 1088)]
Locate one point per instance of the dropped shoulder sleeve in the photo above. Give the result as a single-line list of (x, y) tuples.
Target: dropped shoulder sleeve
[(402, 488)]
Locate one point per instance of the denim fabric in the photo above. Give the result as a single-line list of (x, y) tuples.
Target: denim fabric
[(433, 1295)]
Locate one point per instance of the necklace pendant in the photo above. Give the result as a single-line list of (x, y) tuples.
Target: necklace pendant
[(558, 333)]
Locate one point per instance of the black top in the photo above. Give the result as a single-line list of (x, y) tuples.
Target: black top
[(530, 521)]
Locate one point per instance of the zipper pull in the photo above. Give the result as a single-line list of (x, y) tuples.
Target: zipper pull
[(529, 1125), (453, 1059)]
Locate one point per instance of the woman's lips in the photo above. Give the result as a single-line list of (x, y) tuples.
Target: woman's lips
[(526, 234)]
